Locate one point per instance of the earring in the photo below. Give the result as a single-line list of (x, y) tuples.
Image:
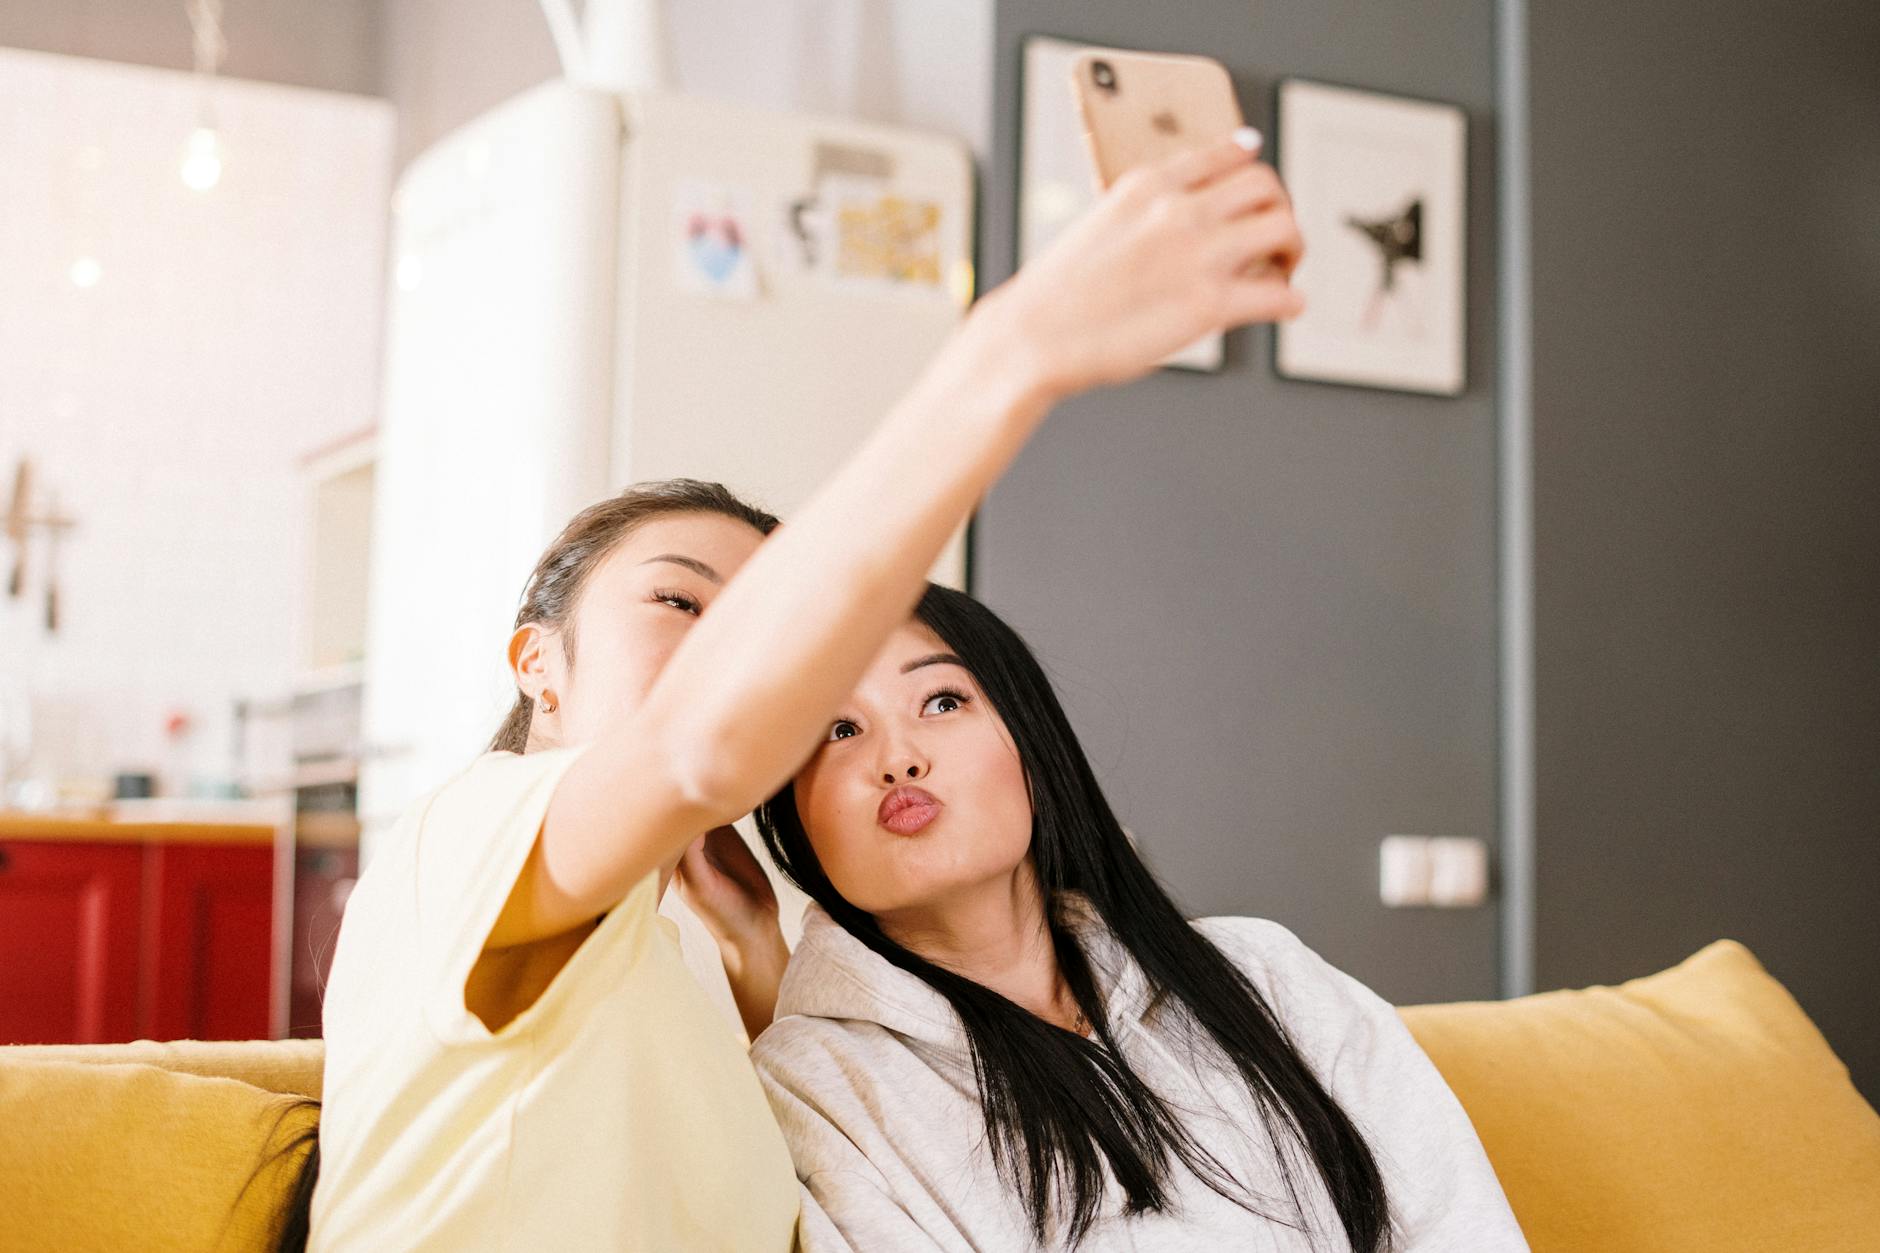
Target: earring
[(548, 703)]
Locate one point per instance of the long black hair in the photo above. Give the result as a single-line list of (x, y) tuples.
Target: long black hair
[(1058, 1107)]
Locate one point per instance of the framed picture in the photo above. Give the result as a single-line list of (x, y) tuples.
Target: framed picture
[(1055, 180), (1378, 186)]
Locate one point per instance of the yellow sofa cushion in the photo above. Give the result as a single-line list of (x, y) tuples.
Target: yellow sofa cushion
[(293, 1067), (1693, 1109), (113, 1157)]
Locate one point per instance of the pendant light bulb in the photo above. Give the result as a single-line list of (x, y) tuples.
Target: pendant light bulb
[(202, 160)]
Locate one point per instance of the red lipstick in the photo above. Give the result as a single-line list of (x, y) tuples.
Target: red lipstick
[(906, 810)]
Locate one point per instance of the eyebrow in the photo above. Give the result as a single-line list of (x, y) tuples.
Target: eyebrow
[(933, 659), (690, 563)]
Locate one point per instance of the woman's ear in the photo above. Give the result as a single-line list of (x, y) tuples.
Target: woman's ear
[(529, 658)]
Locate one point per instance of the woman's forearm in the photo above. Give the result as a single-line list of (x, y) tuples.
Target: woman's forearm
[(754, 968), (746, 696)]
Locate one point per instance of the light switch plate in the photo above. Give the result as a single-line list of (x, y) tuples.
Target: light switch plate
[(1449, 871), (1458, 871), (1403, 865)]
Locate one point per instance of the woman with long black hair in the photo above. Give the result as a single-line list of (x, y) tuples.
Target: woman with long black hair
[(999, 1033)]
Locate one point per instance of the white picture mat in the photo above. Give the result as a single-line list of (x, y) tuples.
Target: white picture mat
[(1056, 182), (1344, 151)]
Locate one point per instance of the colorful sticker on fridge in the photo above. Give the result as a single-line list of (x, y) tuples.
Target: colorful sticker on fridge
[(712, 240), (888, 237), (860, 232)]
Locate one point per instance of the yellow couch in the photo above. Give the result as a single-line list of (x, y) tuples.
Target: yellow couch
[(1694, 1109)]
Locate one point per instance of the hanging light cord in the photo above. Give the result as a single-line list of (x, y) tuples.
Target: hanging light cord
[(205, 23), (202, 161)]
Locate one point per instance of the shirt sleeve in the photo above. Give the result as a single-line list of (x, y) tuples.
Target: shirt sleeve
[(869, 1219), (847, 1205), (1443, 1191), (472, 840)]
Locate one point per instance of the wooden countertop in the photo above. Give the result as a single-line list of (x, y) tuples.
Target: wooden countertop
[(101, 829)]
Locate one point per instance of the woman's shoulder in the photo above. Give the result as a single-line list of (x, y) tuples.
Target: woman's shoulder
[(500, 770), (1289, 971), (453, 854), (848, 1069), (490, 791), (1259, 940), (790, 1034), (1333, 1017), (803, 1050)]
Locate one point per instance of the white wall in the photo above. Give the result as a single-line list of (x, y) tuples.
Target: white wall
[(229, 333)]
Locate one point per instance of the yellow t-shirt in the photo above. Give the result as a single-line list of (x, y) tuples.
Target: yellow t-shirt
[(618, 1111)]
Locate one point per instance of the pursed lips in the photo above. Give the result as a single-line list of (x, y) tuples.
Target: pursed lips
[(906, 810)]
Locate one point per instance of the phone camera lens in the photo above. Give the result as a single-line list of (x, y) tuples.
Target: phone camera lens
[(1103, 74)]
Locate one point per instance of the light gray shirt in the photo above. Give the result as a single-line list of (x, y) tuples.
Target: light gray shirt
[(868, 1071)]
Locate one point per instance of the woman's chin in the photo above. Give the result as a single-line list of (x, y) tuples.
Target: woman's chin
[(937, 893)]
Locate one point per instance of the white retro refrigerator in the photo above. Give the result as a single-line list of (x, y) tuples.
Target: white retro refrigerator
[(589, 288)]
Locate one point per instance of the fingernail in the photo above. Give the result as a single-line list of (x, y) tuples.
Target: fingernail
[(1248, 138)]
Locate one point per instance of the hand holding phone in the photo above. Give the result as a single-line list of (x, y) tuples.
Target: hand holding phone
[(1143, 108), (1184, 247)]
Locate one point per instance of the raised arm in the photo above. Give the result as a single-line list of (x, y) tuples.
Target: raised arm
[(1170, 253)]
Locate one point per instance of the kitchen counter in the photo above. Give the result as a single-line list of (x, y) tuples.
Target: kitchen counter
[(103, 828)]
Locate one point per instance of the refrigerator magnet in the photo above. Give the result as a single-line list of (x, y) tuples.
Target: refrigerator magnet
[(712, 240)]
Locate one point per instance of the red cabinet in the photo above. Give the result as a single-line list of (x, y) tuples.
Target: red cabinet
[(105, 941), (208, 941), (69, 921)]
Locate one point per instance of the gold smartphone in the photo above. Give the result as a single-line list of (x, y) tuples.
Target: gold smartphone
[(1140, 107)]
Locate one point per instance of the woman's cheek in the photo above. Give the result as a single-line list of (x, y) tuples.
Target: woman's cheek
[(835, 815)]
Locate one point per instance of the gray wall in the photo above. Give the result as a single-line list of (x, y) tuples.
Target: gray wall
[(1270, 605), (332, 44), (445, 61), (1707, 494)]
